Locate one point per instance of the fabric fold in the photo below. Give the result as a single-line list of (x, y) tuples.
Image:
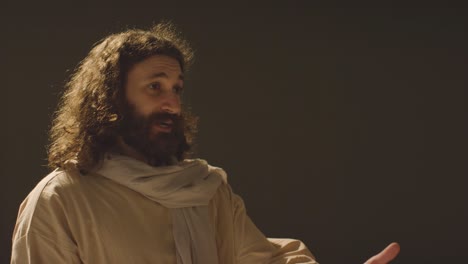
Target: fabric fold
[(186, 188)]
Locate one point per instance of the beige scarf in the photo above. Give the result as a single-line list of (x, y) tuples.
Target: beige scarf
[(186, 188)]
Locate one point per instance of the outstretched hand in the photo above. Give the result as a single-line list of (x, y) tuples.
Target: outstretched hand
[(386, 255)]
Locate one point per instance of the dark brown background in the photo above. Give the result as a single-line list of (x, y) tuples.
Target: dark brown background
[(343, 127)]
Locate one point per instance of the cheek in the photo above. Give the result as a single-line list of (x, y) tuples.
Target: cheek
[(144, 106), (145, 110), (179, 101)]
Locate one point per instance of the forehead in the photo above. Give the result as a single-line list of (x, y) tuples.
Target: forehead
[(156, 64)]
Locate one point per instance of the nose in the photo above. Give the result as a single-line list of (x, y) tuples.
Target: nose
[(170, 104)]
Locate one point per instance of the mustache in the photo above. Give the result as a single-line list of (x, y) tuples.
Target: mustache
[(162, 116)]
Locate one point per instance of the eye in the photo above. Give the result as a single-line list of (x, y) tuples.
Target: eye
[(154, 86), (178, 89)]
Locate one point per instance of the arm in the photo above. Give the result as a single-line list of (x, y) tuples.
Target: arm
[(37, 248), (41, 234), (253, 247), (291, 251)]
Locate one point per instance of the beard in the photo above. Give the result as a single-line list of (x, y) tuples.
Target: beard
[(158, 148)]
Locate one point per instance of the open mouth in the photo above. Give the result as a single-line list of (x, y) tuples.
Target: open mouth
[(164, 126), (167, 124)]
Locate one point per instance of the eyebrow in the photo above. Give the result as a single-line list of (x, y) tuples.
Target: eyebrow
[(163, 74)]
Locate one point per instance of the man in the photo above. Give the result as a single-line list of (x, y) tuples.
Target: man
[(122, 190)]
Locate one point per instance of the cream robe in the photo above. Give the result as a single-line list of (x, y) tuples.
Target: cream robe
[(90, 219)]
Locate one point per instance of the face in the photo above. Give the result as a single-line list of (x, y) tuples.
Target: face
[(152, 123), (154, 86)]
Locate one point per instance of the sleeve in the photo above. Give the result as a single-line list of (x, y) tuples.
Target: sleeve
[(253, 247), (41, 233), (36, 248), (290, 251)]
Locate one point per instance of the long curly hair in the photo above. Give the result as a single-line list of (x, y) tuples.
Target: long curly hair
[(85, 124)]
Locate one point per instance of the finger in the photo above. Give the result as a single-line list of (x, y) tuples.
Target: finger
[(386, 255)]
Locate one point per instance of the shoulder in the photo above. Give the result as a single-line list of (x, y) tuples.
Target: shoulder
[(224, 193), (59, 194), (66, 184), (64, 190), (41, 202), (42, 215), (50, 185), (55, 183), (58, 183), (226, 198), (54, 193), (57, 180)]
